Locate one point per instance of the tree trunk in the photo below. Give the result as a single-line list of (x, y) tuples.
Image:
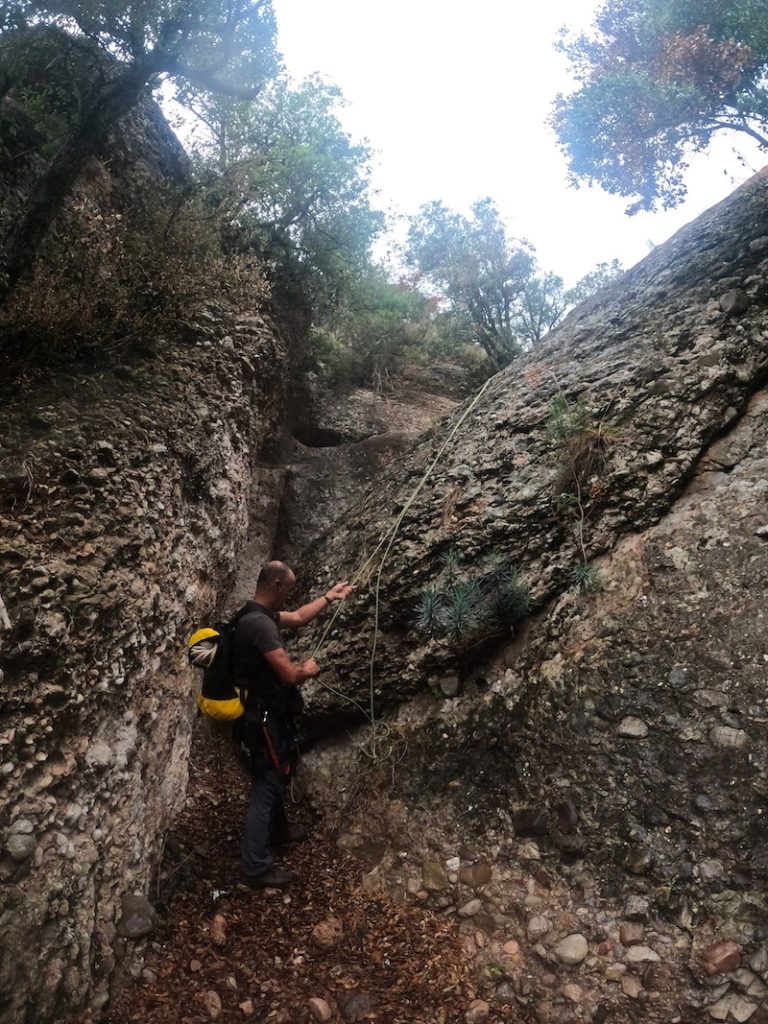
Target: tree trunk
[(108, 105)]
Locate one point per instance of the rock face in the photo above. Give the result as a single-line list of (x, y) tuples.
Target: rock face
[(125, 496), (628, 723), (658, 368), (117, 542), (345, 446)]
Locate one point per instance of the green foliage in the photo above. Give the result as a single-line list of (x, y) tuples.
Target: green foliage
[(583, 442), (566, 420), (496, 294), (215, 44), (461, 614), (480, 271), (510, 598), (597, 278), (657, 79), (586, 578), (224, 46), (428, 611), (377, 328), (109, 278), (465, 610), (294, 186)]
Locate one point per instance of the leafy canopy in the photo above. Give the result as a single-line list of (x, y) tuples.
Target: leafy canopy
[(497, 296), (295, 185), (218, 44), (657, 79), (477, 267)]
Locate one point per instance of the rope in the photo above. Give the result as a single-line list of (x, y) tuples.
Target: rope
[(390, 540)]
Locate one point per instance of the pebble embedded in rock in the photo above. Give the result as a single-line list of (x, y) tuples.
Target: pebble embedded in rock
[(721, 957), (631, 933), (572, 949), (434, 877), (20, 847), (711, 870), (658, 977), (450, 685), (639, 860), (631, 986), (726, 738), (538, 926), (641, 955), (471, 908), (97, 477), (759, 962), (636, 908), (635, 728), (575, 993), (138, 918), (735, 302), (732, 1007)]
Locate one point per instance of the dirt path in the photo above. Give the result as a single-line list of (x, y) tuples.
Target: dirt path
[(237, 956)]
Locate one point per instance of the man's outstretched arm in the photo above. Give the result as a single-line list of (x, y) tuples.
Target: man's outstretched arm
[(308, 612)]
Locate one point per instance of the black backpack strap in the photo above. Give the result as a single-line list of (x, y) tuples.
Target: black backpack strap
[(231, 627)]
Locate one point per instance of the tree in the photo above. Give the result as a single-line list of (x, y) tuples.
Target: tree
[(222, 46), (657, 80), (597, 278), (295, 184), (480, 271), (381, 326)]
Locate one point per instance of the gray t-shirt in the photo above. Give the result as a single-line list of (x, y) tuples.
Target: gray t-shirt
[(256, 634)]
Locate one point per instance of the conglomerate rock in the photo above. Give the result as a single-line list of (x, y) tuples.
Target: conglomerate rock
[(125, 500), (607, 766), (657, 366)]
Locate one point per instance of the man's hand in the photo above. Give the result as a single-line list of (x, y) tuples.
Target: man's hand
[(310, 668), (340, 591)]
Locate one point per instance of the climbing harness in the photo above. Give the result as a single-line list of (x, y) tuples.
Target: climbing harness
[(284, 769)]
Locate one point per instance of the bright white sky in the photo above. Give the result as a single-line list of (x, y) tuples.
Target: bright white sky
[(454, 98)]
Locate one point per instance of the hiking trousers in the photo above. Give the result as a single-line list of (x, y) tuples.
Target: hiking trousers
[(265, 822)]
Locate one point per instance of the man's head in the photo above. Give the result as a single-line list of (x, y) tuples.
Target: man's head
[(275, 585)]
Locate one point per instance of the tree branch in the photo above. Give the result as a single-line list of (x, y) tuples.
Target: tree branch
[(208, 81)]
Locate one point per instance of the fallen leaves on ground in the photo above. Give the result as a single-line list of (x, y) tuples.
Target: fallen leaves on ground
[(234, 955)]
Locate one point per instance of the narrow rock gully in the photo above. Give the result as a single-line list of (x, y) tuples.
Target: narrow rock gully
[(323, 950)]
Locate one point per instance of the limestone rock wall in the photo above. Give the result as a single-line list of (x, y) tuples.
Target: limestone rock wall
[(125, 495)]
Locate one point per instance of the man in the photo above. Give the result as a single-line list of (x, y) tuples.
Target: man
[(263, 669)]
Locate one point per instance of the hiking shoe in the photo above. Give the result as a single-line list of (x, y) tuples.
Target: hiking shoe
[(272, 879), (293, 834)]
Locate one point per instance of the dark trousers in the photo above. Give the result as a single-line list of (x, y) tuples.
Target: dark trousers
[(265, 823)]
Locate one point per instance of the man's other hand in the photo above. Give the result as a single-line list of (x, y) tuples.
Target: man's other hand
[(310, 667), (340, 591)]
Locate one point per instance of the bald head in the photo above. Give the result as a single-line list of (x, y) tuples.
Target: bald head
[(273, 572), (274, 585)]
